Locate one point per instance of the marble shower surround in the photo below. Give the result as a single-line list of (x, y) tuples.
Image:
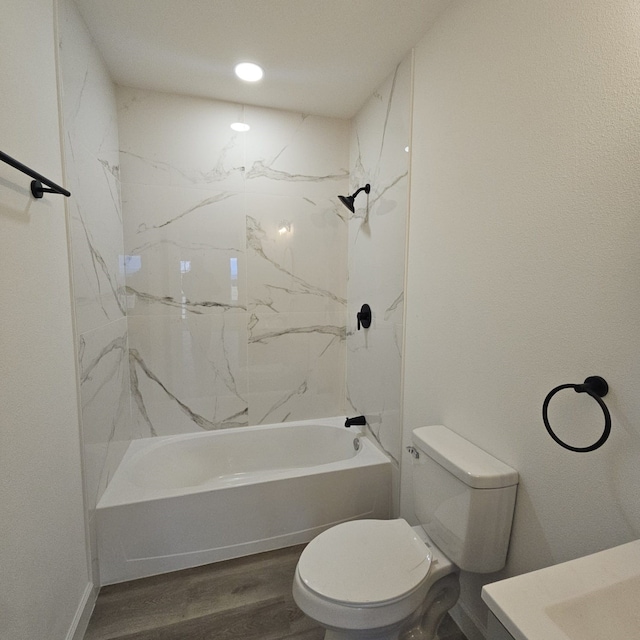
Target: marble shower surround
[(91, 150), (235, 262), (377, 255)]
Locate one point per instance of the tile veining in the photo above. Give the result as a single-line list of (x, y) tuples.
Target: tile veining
[(182, 246), (218, 174), (184, 303), (301, 390), (203, 203), (118, 345), (339, 332), (395, 306), (136, 361), (260, 169), (99, 266), (255, 239)]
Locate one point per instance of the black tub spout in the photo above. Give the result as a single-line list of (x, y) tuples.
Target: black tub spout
[(358, 420)]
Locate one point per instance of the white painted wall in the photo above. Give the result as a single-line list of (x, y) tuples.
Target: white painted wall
[(43, 559), (523, 266)]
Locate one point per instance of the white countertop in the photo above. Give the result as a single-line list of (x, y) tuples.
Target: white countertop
[(596, 597)]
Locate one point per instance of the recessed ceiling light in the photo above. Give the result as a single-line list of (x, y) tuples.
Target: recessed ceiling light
[(249, 72), (240, 126)]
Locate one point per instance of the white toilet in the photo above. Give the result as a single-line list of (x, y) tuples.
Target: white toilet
[(386, 580)]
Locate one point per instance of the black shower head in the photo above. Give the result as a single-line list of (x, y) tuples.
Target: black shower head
[(349, 201)]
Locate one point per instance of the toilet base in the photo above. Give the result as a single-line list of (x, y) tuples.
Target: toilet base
[(422, 624), (441, 597)]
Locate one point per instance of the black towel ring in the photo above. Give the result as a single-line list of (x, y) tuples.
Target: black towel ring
[(596, 387)]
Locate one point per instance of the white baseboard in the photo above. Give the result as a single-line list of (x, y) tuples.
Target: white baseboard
[(83, 613)]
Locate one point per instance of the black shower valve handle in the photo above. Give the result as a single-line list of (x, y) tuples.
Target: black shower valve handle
[(364, 317)]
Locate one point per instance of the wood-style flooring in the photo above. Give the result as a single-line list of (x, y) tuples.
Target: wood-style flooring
[(243, 599)]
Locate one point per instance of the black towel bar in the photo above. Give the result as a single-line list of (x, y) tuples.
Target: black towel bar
[(36, 184)]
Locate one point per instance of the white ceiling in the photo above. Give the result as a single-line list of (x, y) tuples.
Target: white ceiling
[(324, 57)]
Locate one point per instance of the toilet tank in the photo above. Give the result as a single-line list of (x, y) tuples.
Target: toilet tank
[(463, 498)]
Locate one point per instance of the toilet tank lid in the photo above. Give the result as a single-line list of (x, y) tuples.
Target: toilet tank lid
[(470, 464)]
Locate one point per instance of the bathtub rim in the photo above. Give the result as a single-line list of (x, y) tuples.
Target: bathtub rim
[(115, 493)]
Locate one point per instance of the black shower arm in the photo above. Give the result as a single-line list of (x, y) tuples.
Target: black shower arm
[(366, 189)]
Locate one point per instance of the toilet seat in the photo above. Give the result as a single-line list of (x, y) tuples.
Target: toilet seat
[(365, 563)]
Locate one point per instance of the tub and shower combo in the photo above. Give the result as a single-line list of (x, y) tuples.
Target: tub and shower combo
[(182, 501)]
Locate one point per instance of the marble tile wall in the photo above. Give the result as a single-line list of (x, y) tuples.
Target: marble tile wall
[(95, 228), (377, 240), (233, 270), (236, 255)]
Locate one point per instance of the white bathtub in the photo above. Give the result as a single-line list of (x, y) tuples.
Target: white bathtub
[(182, 501)]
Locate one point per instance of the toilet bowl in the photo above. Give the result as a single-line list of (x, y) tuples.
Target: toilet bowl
[(386, 580), (370, 579)]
